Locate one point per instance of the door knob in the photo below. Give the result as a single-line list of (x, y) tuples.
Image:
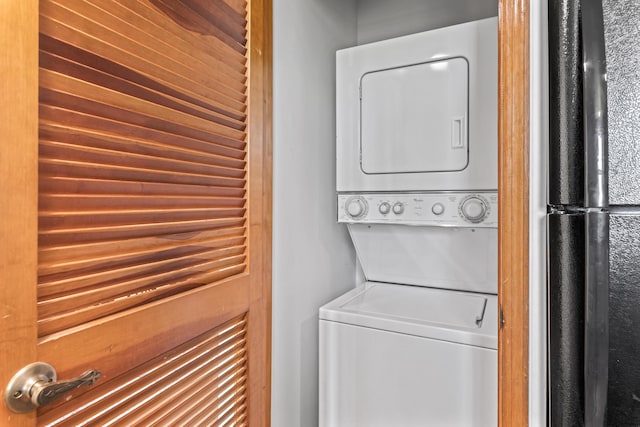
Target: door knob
[(36, 385)]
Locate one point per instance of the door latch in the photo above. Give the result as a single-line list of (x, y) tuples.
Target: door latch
[(36, 385)]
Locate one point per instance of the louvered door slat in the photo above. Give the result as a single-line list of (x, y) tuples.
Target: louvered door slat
[(202, 59), (116, 282), (124, 266), (186, 397), (80, 122), (111, 233), (59, 202), (86, 170), (182, 375), (61, 185), (195, 366), (225, 81), (91, 108), (172, 284), (162, 77), (85, 33), (76, 59), (69, 258), (91, 140), (171, 30), (61, 284), (62, 62), (67, 67), (237, 5), (86, 154), (199, 20)]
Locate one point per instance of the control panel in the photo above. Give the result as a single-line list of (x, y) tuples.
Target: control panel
[(456, 209)]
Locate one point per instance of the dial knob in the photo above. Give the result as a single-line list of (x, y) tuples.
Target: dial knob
[(398, 208), (437, 208), (474, 209), (384, 208), (356, 207)]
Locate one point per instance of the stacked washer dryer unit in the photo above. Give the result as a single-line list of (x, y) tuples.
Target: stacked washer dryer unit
[(416, 343)]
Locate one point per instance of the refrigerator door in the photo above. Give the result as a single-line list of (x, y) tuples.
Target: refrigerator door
[(622, 32), (624, 313), (566, 147), (566, 251)]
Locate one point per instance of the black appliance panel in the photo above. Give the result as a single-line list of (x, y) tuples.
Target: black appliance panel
[(624, 319), (622, 42)]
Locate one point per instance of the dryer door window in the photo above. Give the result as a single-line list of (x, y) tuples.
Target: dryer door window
[(414, 118)]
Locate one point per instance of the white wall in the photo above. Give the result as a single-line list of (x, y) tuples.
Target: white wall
[(313, 259), (539, 139), (383, 19)]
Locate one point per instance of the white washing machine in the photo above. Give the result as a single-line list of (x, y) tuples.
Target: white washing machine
[(415, 344), (405, 356)]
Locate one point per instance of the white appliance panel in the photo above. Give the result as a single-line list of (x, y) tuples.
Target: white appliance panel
[(440, 257), (426, 209), (421, 148), (376, 378), (413, 118)]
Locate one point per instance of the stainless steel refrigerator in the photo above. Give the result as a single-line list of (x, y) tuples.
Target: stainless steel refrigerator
[(594, 213)]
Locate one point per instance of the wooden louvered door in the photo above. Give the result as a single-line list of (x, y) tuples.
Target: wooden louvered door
[(151, 172)]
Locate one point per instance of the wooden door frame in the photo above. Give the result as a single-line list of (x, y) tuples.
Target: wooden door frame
[(260, 202), (19, 201), (513, 212), (18, 196)]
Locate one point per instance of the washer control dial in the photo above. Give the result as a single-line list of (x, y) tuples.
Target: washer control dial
[(384, 208), (474, 208), (437, 208), (356, 207), (398, 208)]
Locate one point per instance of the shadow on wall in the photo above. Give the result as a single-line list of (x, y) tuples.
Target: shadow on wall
[(309, 370)]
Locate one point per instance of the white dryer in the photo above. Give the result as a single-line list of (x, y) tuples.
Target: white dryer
[(419, 112)]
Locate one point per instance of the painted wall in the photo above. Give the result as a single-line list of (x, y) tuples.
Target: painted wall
[(383, 19), (313, 259), (539, 140)]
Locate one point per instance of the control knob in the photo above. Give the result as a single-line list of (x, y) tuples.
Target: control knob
[(398, 208), (384, 208), (437, 209), (474, 208), (356, 207)]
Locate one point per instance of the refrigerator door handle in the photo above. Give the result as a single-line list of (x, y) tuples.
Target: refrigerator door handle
[(596, 161), (596, 338), (596, 199)]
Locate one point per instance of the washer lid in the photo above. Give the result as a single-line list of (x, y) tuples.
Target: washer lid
[(411, 304), (462, 317)]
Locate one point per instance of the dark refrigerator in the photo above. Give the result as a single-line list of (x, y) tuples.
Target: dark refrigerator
[(594, 213)]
